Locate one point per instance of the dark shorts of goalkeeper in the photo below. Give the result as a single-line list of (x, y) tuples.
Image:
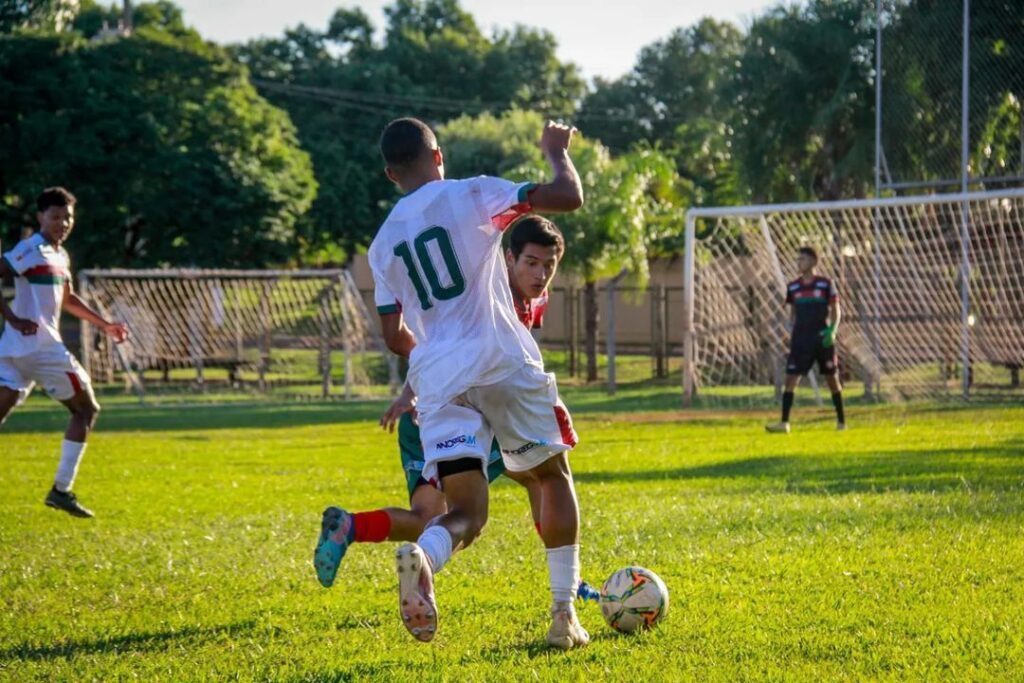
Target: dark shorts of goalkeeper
[(802, 358)]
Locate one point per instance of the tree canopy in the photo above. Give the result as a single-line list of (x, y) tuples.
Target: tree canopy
[(266, 152), (341, 88), (174, 156)]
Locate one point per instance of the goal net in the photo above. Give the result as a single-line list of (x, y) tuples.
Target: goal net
[(912, 325), (296, 334)]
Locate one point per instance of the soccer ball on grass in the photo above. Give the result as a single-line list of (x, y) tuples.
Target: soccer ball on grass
[(631, 599)]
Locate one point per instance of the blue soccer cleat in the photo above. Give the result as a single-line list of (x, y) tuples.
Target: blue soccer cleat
[(336, 533), (585, 592)]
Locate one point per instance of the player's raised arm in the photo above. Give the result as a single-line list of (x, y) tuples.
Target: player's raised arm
[(565, 192), (74, 305)]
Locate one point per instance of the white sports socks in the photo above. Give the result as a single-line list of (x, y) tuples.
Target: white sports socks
[(71, 454), (564, 571), (436, 542)]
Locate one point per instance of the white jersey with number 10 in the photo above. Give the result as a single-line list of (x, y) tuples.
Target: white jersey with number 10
[(437, 259)]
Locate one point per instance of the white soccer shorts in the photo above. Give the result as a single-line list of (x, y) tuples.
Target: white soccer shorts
[(52, 367), (522, 411)]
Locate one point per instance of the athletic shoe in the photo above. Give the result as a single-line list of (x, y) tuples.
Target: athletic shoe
[(565, 632), (778, 428), (66, 501), (416, 601), (585, 592), (336, 533), (840, 426)]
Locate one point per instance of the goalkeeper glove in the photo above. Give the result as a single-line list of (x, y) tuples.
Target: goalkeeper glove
[(828, 336)]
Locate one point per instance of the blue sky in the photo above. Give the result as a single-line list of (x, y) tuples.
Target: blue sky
[(602, 37)]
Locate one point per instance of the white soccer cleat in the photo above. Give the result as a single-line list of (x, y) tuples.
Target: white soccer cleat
[(416, 592), (566, 632), (777, 428), (840, 426)]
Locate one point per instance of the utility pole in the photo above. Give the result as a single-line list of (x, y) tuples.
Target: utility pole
[(126, 18)]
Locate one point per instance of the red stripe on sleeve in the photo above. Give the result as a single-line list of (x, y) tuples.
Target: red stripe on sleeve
[(509, 216)]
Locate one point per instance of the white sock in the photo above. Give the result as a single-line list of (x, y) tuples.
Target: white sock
[(564, 571), (71, 454), (436, 542)]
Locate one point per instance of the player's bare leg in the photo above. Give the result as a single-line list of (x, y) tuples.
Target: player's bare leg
[(836, 388), (533, 492), (84, 410), (788, 395), (339, 529), (466, 498), (426, 504), (8, 400), (559, 528)]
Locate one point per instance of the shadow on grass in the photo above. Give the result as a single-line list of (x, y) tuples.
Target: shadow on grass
[(654, 396), (130, 642), (994, 467), (201, 417), (538, 647)]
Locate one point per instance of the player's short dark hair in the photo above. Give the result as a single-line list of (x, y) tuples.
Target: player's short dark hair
[(54, 196), (535, 229), (405, 141), (809, 251)]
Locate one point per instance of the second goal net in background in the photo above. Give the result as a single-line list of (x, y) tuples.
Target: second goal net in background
[(913, 325), (294, 334)]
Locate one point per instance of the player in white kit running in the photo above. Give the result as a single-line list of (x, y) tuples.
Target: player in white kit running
[(31, 348), (442, 291)]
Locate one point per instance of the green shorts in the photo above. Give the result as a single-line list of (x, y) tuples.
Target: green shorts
[(411, 449)]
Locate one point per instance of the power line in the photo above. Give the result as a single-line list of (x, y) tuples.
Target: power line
[(389, 104)]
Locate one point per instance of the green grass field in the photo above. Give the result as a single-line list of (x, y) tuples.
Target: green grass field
[(893, 551)]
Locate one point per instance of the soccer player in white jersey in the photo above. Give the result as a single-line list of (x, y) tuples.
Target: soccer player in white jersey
[(535, 247), (442, 291), (31, 348)]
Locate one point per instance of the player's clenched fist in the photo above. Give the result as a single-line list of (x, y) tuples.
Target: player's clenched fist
[(116, 331), (556, 137)]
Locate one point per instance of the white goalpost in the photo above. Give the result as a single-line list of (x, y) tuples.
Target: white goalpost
[(295, 334), (931, 287)]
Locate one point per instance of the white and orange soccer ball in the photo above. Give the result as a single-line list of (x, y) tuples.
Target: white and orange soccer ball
[(633, 598)]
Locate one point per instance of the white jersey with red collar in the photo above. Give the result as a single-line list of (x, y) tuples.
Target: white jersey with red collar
[(42, 271), (531, 313), (437, 259)]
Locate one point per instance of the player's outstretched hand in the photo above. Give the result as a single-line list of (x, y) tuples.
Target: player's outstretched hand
[(405, 403), (116, 331), (26, 327), (556, 138)]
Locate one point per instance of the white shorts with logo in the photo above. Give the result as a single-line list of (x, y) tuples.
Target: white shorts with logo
[(52, 367), (523, 412)]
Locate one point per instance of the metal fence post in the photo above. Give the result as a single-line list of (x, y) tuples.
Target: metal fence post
[(570, 328), (965, 218), (325, 343), (689, 371), (266, 322), (85, 330), (610, 342)]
